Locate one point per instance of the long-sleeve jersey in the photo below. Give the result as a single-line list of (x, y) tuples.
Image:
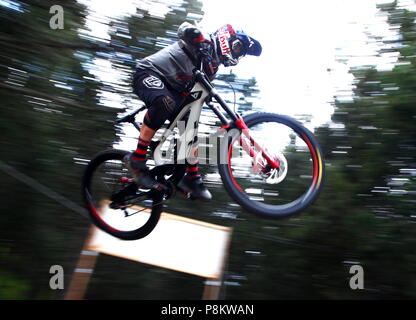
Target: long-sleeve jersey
[(176, 62)]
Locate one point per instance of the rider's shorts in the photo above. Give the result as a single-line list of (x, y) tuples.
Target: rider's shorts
[(162, 102)]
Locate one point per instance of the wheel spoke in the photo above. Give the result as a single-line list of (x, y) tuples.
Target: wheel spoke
[(276, 169)]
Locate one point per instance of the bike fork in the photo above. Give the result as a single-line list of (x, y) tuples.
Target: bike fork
[(272, 161)]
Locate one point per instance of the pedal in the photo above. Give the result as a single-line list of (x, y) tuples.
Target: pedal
[(191, 197), (161, 187), (183, 192), (186, 194), (170, 192)]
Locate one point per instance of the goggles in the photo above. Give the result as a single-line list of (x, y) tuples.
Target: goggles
[(237, 49)]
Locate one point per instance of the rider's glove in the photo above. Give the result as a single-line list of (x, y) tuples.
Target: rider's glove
[(195, 38), (204, 52)]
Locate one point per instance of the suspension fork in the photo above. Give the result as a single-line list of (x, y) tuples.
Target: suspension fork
[(271, 160), (238, 122)]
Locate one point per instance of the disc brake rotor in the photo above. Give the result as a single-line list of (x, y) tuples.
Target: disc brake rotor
[(277, 175)]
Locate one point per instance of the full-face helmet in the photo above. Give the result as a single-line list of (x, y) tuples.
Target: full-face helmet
[(232, 45)]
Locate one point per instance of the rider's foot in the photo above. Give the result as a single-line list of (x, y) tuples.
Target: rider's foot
[(141, 174), (196, 187)]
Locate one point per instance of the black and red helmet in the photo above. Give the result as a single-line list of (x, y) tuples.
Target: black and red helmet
[(232, 45)]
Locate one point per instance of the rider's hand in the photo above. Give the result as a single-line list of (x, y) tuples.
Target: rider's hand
[(204, 51), (195, 38)]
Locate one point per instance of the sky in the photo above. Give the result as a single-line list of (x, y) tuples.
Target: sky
[(298, 71)]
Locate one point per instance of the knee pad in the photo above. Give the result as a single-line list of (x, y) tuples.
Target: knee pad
[(169, 104), (160, 110), (165, 104)]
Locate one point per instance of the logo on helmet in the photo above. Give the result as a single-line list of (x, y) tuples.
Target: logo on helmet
[(224, 36), (225, 48)]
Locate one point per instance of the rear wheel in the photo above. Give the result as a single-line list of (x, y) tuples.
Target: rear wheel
[(115, 203), (255, 184)]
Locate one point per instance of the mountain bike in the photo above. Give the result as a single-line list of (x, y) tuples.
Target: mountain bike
[(270, 164)]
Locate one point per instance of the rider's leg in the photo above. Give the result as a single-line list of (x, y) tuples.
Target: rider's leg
[(137, 160), (155, 117), (146, 135), (161, 103), (192, 171), (192, 181)]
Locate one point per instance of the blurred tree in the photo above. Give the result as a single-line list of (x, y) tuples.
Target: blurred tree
[(49, 106), (54, 120), (366, 212), (135, 37)]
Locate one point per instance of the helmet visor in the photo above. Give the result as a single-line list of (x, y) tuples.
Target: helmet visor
[(237, 49)]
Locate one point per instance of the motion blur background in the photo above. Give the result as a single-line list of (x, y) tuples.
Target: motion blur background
[(346, 69)]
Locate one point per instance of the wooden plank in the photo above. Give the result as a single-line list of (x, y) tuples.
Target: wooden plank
[(83, 271)]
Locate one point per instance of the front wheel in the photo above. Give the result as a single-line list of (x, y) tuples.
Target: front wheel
[(254, 183)]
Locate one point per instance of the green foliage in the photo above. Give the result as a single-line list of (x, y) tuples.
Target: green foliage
[(52, 118), (370, 186), (12, 287)]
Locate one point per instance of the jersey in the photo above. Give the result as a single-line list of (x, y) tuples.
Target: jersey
[(175, 63)]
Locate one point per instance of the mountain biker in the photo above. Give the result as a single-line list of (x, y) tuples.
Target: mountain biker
[(162, 82)]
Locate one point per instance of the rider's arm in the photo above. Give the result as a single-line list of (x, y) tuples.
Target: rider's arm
[(200, 44)]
